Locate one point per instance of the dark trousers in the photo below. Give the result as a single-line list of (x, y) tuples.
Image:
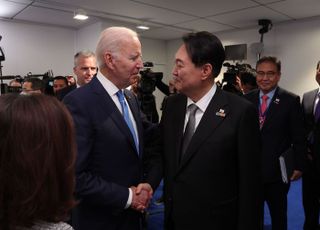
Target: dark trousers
[(310, 197), (275, 195)]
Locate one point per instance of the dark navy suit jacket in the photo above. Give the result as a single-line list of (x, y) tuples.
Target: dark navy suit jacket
[(282, 129), (107, 160)]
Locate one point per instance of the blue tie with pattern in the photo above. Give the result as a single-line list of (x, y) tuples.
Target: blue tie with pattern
[(126, 116)]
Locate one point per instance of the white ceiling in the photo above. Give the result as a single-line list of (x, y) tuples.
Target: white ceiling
[(168, 19)]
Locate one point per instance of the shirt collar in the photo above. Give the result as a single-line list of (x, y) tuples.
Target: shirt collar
[(205, 100), (270, 94), (107, 84)]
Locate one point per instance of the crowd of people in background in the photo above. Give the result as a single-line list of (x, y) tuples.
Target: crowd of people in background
[(87, 154)]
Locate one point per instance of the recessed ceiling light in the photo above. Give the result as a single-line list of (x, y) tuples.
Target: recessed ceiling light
[(143, 27), (80, 15)]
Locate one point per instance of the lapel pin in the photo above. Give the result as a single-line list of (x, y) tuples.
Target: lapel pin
[(221, 113), (277, 101)]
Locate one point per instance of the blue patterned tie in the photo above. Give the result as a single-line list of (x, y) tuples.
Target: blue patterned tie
[(126, 116)]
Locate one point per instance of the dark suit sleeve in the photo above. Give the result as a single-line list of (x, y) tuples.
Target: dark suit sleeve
[(89, 186), (249, 171)]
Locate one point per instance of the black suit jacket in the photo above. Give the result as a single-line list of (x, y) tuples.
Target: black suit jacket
[(312, 127), (107, 160), (217, 183), (308, 101), (282, 129)]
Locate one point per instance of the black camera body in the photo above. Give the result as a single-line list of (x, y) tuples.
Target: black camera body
[(230, 76), (146, 87), (148, 79)]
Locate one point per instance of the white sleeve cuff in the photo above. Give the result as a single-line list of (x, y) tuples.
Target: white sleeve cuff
[(129, 199)]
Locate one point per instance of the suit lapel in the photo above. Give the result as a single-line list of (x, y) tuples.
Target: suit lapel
[(105, 101), (312, 100), (214, 115)]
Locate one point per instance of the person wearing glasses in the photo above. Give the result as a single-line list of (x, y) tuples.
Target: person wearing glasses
[(281, 128)]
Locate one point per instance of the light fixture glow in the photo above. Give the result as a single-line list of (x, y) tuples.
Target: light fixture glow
[(80, 15), (141, 27)]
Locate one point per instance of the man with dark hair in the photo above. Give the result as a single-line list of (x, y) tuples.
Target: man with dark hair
[(59, 82), (248, 81), (211, 177), (32, 85), (281, 128), (310, 184)]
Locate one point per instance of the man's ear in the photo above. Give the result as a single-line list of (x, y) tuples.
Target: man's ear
[(206, 71), (108, 59)]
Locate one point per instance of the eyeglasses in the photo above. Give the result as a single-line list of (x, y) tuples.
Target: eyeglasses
[(268, 74)]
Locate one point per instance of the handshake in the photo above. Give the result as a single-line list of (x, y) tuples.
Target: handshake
[(141, 196)]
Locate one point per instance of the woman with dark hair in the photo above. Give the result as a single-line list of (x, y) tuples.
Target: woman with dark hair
[(37, 155)]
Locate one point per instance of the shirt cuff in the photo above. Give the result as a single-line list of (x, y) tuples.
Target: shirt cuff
[(129, 199)]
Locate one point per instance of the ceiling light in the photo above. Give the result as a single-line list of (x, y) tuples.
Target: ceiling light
[(143, 27), (80, 15)]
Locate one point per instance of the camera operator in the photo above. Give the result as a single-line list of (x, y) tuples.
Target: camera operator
[(247, 81), (239, 79), (146, 87)]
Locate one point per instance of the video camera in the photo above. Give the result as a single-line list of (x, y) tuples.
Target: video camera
[(233, 71), (148, 79), (146, 87)]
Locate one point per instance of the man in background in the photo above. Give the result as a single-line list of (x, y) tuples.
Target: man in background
[(310, 178), (59, 83), (281, 128), (110, 138), (32, 85), (85, 68)]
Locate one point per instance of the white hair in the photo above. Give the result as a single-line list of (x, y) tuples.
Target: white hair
[(111, 40)]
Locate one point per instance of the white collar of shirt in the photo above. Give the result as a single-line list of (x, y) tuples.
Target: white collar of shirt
[(108, 86), (202, 105), (270, 96), (205, 100)]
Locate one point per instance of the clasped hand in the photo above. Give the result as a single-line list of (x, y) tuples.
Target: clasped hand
[(141, 196)]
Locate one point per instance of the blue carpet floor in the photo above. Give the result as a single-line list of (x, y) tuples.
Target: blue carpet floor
[(295, 210)]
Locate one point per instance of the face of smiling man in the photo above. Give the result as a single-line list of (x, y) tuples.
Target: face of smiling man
[(268, 76)]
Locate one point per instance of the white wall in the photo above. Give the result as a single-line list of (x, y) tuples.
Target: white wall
[(87, 37), (36, 49), (296, 44)]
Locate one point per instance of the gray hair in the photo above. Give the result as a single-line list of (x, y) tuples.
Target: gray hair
[(83, 53), (111, 40)]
